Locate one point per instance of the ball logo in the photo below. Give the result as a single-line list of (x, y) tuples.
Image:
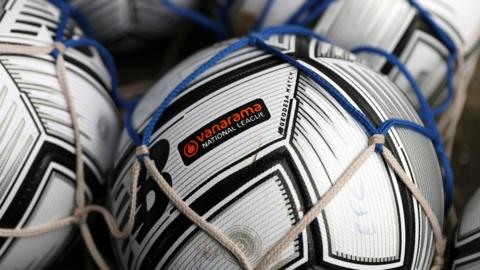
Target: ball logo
[(190, 149), (222, 129)]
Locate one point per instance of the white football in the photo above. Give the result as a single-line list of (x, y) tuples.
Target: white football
[(129, 24), (37, 168), (253, 143), (466, 254)]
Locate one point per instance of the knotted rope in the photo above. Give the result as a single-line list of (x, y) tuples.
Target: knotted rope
[(81, 209)]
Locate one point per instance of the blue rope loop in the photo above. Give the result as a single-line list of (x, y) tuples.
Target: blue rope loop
[(66, 11)]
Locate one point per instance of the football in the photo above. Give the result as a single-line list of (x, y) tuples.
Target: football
[(125, 25), (37, 157), (253, 143)]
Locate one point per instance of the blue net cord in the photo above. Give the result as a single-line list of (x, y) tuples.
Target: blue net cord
[(197, 17), (257, 40), (64, 17), (450, 44), (65, 10)]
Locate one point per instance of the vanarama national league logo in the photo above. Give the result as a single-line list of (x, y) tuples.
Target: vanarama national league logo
[(222, 129)]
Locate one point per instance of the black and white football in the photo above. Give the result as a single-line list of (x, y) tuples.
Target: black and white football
[(254, 143), (37, 157)]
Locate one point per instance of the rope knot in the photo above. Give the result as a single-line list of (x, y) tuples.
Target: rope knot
[(378, 140), (142, 151), (253, 38), (80, 215), (58, 48)]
